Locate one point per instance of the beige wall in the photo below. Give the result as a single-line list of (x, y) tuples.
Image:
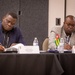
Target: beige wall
[(56, 10), (70, 10)]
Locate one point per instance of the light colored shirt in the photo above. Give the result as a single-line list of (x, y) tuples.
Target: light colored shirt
[(60, 31)]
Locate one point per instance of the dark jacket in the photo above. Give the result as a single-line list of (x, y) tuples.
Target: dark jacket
[(14, 36)]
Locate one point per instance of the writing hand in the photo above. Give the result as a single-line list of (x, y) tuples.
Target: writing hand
[(67, 46), (2, 48)]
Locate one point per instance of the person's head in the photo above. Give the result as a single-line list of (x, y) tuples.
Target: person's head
[(69, 24), (8, 21)]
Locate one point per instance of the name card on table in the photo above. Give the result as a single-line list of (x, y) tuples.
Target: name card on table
[(73, 49), (21, 49), (29, 50)]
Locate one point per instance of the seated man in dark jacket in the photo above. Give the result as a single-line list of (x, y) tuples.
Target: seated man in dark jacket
[(9, 34)]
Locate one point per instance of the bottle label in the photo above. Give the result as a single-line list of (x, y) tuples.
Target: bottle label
[(35, 44)]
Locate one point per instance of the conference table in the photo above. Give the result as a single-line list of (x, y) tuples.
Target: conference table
[(45, 63), (67, 61), (31, 64)]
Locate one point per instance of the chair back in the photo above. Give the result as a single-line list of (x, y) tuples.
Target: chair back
[(45, 44)]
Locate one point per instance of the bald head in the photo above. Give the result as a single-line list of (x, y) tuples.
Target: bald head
[(70, 17), (69, 24)]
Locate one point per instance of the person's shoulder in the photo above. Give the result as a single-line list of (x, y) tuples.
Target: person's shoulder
[(57, 28), (16, 29)]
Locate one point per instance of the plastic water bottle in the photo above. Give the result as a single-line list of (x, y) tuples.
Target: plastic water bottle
[(35, 42), (61, 46)]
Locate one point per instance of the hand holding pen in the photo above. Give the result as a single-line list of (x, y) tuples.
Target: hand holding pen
[(67, 43), (2, 48), (67, 46)]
